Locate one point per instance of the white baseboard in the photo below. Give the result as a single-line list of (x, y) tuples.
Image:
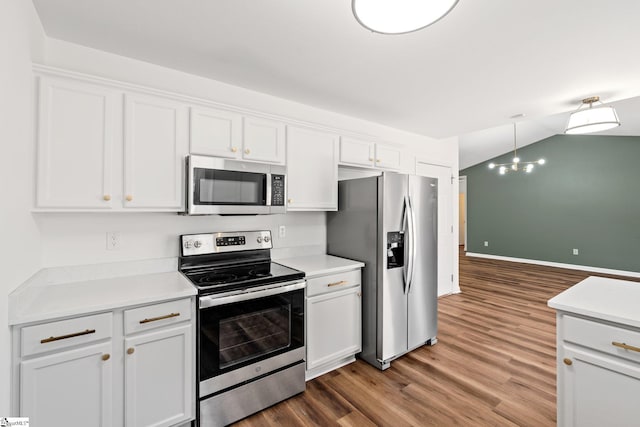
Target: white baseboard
[(558, 264)]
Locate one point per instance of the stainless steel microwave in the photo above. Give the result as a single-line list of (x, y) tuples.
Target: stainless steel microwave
[(230, 187)]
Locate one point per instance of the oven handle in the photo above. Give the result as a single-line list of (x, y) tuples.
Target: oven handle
[(280, 288)]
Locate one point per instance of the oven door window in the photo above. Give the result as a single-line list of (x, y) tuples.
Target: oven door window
[(242, 333), (221, 187)]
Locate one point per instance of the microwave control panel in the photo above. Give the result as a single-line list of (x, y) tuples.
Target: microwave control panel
[(277, 190)]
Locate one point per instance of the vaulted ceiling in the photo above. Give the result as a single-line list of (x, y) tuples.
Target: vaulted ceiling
[(466, 75)]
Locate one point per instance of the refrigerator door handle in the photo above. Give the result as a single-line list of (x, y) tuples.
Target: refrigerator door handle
[(411, 222), (407, 250)]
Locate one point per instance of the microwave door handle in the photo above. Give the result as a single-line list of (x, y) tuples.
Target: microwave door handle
[(268, 195)]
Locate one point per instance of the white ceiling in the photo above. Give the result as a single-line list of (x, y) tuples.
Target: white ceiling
[(465, 75)]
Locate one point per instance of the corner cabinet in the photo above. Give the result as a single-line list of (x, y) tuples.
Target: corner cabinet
[(357, 152), (312, 169), (130, 368), (102, 149)]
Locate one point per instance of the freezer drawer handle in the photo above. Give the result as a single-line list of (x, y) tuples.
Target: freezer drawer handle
[(64, 337), (153, 319), (625, 346), (341, 282)]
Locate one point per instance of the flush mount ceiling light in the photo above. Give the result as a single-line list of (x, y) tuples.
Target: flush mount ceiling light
[(516, 164), (399, 16), (592, 119)]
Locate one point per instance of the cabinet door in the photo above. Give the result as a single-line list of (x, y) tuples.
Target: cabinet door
[(312, 170), (216, 133), (387, 157), (597, 390), (264, 140), (356, 152), (159, 377), (69, 388), (76, 138), (333, 326), (156, 142)]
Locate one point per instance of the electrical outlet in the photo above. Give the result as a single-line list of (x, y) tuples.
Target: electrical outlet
[(282, 231), (486, 243), (575, 251), (113, 240)]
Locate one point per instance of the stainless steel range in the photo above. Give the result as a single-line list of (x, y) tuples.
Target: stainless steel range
[(250, 347)]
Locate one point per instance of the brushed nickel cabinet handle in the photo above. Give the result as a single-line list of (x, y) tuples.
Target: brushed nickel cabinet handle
[(153, 319), (341, 282), (106, 357), (64, 337), (567, 361), (131, 350), (625, 346)]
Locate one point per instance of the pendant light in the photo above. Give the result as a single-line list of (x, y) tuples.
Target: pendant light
[(592, 119), (516, 164), (399, 16)]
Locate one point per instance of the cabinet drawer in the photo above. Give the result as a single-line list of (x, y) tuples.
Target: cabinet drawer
[(602, 337), (157, 315), (65, 333), (333, 282)]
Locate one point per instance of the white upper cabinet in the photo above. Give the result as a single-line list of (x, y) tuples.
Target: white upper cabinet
[(357, 152), (387, 157), (101, 148), (77, 134), (156, 140), (312, 170), (264, 140), (220, 133), (216, 133)]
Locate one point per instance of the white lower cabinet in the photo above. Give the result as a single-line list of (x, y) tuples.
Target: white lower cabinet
[(598, 373), (133, 367), (68, 388), (334, 323)]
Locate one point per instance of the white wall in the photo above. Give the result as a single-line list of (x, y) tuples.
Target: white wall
[(76, 239), (20, 37)]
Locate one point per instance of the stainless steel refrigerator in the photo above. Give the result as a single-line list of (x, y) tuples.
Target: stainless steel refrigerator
[(389, 222)]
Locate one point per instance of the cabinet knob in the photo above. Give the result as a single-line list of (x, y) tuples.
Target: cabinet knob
[(567, 361), (106, 197), (106, 357), (129, 197), (131, 350), (247, 151), (359, 294), (289, 200), (371, 159), (234, 149), (377, 160)]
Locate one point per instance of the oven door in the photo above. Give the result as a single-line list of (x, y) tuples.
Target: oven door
[(249, 335)]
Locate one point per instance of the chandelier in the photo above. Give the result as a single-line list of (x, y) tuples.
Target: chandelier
[(516, 164), (592, 119), (399, 16)]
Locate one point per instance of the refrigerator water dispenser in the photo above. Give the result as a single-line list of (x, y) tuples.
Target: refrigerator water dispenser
[(395, 249)]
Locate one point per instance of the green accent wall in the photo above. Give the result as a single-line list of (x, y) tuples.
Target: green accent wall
[(586, 196)]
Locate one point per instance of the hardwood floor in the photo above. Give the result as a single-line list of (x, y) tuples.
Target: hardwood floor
[(493, 365)]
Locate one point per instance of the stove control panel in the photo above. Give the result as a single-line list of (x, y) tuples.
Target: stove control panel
[(211, 243)]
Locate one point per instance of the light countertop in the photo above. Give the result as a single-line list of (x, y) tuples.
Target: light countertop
[(319, 265), (43, 298), (611, 300)]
